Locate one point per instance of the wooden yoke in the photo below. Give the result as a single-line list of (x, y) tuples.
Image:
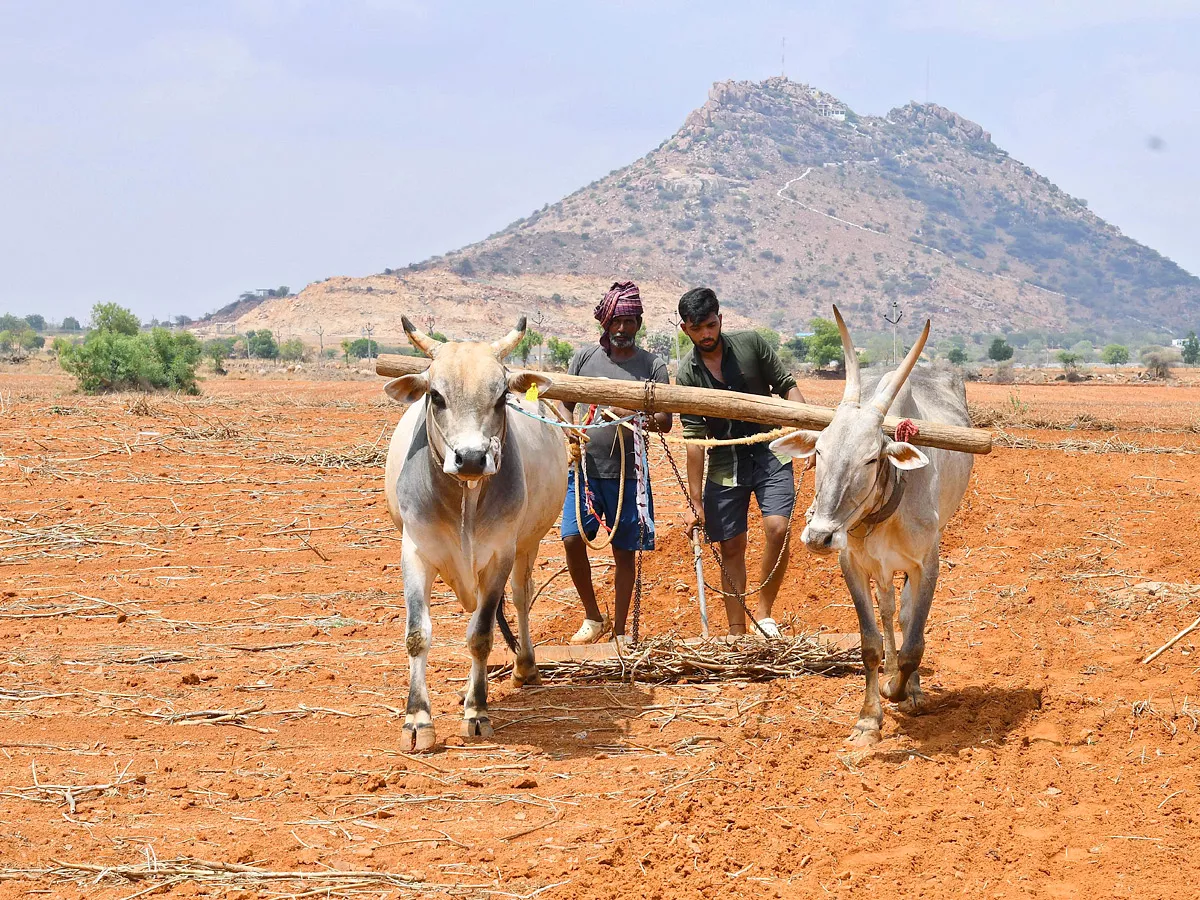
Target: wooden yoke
[(672, 398)]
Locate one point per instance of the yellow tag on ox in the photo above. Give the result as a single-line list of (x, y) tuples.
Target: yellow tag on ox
[(532, 394)]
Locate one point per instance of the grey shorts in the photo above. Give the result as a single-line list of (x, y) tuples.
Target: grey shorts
[(726, 509)]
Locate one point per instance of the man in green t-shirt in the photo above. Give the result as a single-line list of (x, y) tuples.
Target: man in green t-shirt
[(739, 361)]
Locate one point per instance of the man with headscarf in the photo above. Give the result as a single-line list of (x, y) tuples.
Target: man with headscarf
[(615, 356)]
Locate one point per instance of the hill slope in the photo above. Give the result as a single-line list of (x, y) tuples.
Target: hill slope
[(783, 200)]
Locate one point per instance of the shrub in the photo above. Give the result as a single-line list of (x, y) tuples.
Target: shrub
[(1158, 361), (292, 350), (361, 348), (528, 341), (115, 361), (957, 356), (1115, 354)]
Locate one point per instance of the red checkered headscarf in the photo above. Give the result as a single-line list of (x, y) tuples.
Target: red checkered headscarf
[(622, 299)]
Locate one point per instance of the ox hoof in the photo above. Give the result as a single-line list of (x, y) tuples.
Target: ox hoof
[(915, 705), (864, 734), (895, 688), (477, 728), (417, 737), (529, 676)]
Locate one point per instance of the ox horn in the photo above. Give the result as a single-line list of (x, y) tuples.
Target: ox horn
[(507, 344), (888, 389), (420, 339), (853, 384)]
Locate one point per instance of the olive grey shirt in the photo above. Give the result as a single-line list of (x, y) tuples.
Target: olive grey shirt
[(603, 451)]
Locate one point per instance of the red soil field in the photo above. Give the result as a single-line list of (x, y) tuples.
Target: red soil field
[(204, 677)]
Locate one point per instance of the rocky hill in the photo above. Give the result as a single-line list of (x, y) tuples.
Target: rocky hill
[(784, 200)]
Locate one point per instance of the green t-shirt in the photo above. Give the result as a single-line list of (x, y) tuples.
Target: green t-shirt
[(748, 365)]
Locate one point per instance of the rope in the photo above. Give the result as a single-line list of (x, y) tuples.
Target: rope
[(581, 487), (568, 426)]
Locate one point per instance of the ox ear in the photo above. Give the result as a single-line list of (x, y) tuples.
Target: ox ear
[(800, 444), (407, 388), (904, 455), (520, 382)]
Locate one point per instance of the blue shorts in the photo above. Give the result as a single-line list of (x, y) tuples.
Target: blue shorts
[(604, 499)]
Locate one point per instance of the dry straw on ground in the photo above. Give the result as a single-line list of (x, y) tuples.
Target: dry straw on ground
[(668, 659)]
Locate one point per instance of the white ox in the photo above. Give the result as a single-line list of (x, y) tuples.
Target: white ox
[(473, 486), (883, 504)]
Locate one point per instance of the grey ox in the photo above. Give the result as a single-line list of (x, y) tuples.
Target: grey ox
[(473, 486), (882, 504)]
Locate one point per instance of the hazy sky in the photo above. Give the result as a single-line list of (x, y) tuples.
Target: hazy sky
[(170, 155)]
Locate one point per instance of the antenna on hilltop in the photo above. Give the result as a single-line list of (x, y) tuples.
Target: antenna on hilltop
[(783, 57), (927, 81)]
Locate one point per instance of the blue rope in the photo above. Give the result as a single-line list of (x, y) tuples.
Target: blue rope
[(525, 412)]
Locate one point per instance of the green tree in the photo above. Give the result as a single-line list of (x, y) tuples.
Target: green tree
[(957, 356), (798, 346), (999, 350), (111, 360), (1115, 354), (658, 343), (825, 345), (560, 352), (218, 350), (1070, 361), (114, 318), (283, 291), (70, 323), (525, 347), (261, 344), (770, 335), (292, 350), (9, 322), (36, 321), (1191, 349)]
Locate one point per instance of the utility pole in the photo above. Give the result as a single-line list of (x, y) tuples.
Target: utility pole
[(538, 321), (894, 320), (673, 353), (321, 353), (783, 56), (369, 330)]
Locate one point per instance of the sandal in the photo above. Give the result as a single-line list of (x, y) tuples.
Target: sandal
[(769, 628), (591, 631)]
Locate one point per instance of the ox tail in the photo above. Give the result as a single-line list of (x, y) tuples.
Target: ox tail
[(505, 628)]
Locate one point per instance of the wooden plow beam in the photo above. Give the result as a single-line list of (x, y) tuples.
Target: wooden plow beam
[(673, 398)]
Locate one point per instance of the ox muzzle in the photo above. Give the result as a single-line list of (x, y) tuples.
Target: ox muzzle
[(471, 461)]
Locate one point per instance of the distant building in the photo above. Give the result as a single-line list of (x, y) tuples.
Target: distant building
[(834, 111), (1178, 342)]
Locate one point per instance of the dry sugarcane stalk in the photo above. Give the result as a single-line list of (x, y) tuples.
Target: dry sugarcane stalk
[(707, 402), (667, 658)]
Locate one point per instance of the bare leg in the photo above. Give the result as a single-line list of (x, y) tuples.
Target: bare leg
[(581, 575), (525, 671), (866, 731), (625, 563), (776, 547), (733, 558), (418, 731)]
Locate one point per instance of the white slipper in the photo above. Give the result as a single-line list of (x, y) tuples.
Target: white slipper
[(769, 628), (591, 631)]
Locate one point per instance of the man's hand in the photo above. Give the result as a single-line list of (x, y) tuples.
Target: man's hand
[(573, 451), (691, 522)]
